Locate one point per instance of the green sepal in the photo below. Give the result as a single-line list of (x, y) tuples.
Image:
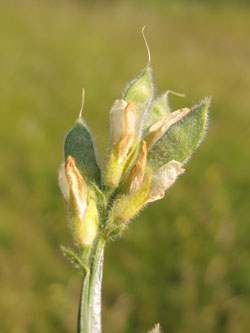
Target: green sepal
[(140, 92), (127, 206), (79, 144), (84, 230), (124, 187), (130, 160), (156, 329), (116, 231), (181, 139), (75, 260), (100, 197), (113, 171), (158, 109)]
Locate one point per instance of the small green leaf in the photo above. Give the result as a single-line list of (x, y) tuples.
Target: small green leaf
[(156, 329), (79, 144), (181, 139), (159, 109), (73, 257), (100, 197), (115, 231), (140, 92)]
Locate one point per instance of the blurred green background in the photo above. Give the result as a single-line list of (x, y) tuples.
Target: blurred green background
[(185, 262)]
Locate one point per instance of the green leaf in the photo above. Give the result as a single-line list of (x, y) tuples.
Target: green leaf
[(79, 144), (100, 197), (159, 109), (182, 138), (115, 231), (156, 329), (73, 257), (140, 92)]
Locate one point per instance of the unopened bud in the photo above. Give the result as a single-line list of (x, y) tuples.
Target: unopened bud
[(137, 172), (117, 119), (77, 187), (163, 179), (122, 123)]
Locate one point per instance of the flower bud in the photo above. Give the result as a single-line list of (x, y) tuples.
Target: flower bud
[(163, 179), (82, 207), (137, 173), (122, 124), (77, 187)]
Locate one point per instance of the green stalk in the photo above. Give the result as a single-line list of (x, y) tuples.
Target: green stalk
[(89, 315)]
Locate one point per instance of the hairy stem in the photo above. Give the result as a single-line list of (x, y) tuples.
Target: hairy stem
[(89, 315)]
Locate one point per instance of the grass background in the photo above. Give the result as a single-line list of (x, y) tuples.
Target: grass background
[(185, 262)]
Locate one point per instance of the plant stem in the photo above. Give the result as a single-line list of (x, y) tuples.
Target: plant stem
[(89, 315)]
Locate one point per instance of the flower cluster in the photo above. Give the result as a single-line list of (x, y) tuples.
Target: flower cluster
[(148, 147)]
